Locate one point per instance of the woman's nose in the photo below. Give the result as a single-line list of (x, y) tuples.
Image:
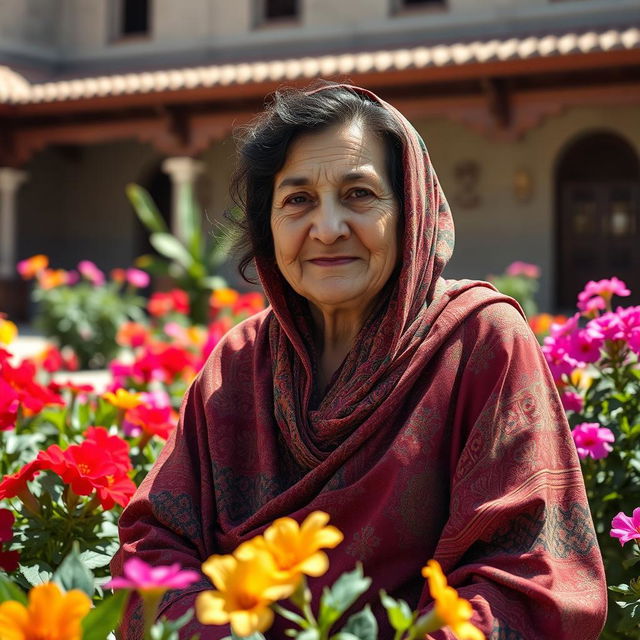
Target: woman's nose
[(329, 223)]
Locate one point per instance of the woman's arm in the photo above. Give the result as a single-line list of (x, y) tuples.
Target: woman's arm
[(519, 543)]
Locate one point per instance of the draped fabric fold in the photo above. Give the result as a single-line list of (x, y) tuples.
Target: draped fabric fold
[(441, 435)]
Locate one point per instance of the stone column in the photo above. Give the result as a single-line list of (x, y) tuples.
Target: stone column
[(183, 172), (10, 180)]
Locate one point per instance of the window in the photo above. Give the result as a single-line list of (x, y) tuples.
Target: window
[(419, 4), (274, 11), (131, 18)]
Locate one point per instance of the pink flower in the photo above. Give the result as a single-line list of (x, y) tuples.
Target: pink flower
[(592, 440), (525, 269), (137, 278), (91, 272), (572, 401), (626, 528), (584, 345), (603, 288), (592, 306), (143, 577)]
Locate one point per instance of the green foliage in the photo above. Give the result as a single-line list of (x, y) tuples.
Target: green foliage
[(86, 317), (191, 261)]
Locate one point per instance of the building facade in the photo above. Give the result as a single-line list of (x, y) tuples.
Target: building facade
[(530, 110)]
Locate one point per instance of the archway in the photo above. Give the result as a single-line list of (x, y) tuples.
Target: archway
[(598, 215)]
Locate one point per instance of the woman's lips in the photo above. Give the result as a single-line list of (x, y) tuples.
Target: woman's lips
[(332, 262)]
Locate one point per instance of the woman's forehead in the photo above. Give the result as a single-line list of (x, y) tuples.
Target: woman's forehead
[(337, 151)]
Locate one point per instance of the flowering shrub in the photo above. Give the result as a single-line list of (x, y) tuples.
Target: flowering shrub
[(82, 309), (593, 357)]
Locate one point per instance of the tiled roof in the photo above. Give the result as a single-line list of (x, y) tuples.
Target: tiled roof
[(14, 89)]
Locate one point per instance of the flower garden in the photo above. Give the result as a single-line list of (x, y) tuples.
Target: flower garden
[(72, 455)]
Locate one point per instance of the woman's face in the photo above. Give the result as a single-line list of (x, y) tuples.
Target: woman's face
[(334, 218)]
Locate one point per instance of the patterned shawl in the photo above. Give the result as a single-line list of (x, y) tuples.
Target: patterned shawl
[(441, 435)]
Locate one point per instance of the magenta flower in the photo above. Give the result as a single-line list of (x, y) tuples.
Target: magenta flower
[(592, 440), (584, 345), (604, 289), (137, 278), (525, 269), (572, 401), (626, 528), (91, 272), (143, 577)]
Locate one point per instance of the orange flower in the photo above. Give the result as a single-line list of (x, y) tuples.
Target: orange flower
[(30, 267), (223, 297), (296, 549), (50, 614), (245, 589), (52, 278), (450, 610)]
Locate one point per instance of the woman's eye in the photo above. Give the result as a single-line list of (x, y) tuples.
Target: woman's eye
[(296, 199), (359, 193)]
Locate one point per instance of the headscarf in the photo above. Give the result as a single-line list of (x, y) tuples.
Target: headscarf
[(441, 436), (371, 368)]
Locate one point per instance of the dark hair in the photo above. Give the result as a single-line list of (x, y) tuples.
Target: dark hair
[(263, 147)]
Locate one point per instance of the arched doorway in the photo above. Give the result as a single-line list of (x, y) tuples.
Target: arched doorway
[(598, 215)]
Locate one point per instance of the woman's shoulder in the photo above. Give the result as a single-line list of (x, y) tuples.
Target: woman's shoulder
[(483, 309), (241, 341)]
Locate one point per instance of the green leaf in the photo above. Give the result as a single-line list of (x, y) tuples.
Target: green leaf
[(361, 625), (170, 247), (190, 221), (146, 209), (344, 635), (398, 612), (36, 574), (214, 282), (73, 574), (253, 636), (11, 591), (104, 619), (308, 634), (344, 592)]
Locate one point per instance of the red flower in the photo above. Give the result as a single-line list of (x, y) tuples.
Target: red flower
[(162, 303), (8, 559), (116, 448), (99, 463), (9, 404), (84, 467), (118, 490), (6, 523), (155, 421), (12, 485), (19, 383)]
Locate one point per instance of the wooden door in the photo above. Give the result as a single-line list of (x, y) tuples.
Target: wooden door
[(599, 236)]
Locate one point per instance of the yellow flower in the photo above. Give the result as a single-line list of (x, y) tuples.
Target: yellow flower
[(123, 399), (296, 549), (581, 379), (245, 589), (49, 615), (450, 610), (8, 331), (224, 297)]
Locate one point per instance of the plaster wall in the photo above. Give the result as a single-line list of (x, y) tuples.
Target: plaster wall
[(73, 206), (500, 229), (81, 32)]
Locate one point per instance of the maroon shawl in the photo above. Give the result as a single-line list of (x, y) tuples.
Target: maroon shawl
[(441, 436)]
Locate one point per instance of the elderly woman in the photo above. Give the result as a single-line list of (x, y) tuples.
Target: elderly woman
[(418, 412)]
